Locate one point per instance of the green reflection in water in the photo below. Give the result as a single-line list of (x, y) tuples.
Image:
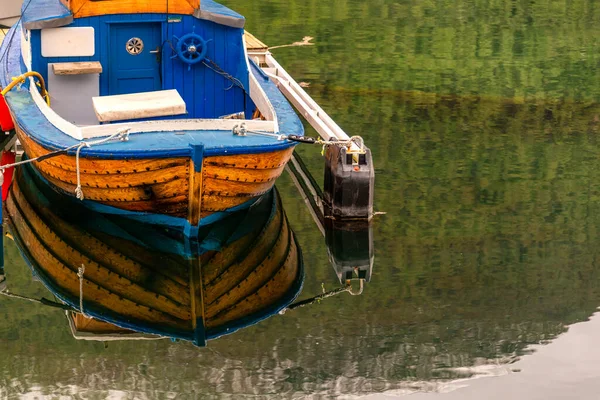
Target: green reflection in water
[(483, 121)]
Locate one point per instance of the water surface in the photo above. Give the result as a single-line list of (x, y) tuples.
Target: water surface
[(483, 120)]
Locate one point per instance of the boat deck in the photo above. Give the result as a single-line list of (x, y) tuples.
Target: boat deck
[(253, 44)]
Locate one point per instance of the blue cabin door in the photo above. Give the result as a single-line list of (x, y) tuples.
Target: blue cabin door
[(134, 58)]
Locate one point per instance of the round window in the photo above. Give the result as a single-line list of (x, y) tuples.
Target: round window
[(134, 46)]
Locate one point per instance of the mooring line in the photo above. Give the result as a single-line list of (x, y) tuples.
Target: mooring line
[(241, 130), (42, 301), (122, 135), (325, 295), (306, 41)]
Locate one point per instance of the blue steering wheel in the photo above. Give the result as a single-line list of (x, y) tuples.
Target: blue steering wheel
[(191, 49)]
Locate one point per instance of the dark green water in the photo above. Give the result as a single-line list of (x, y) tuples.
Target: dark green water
[(483, 120)]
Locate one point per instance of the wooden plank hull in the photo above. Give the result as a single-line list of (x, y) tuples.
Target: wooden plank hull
[(163, 186), (129, 284)]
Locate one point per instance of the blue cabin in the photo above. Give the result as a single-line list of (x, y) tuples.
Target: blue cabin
[(85, 49)]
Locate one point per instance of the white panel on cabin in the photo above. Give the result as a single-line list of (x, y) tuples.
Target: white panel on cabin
[(71, 96), (68, 42)]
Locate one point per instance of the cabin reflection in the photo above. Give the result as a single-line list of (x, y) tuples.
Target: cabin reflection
[(127, 278)]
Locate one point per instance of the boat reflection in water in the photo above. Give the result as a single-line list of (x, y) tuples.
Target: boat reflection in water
[(134, 279)]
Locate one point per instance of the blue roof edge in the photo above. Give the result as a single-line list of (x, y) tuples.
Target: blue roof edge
[(212, 11), (41, 14)]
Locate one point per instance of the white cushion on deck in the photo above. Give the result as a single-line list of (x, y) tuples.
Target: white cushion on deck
[(138, 105)]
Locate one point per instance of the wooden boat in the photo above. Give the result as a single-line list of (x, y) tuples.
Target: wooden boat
[(148, 279), (172, 77)]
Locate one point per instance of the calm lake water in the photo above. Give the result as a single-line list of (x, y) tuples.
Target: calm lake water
[(483, 119)]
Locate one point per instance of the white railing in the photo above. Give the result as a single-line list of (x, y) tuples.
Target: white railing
[(306, 106)]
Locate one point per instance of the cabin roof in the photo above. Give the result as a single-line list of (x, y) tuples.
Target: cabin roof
[(41, 14), (212, 11)]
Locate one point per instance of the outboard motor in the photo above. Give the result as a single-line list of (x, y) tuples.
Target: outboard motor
[(348, 183)]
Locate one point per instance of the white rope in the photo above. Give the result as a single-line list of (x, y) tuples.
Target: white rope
[(317, 299), (18, 296), (240, 130), (360, 290), (80, 273), (122, 135), (306, 41), (30, 160), (43, 301), (78, 190)]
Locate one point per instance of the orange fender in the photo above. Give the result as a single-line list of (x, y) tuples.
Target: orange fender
[(6, 121), (8, 157)]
